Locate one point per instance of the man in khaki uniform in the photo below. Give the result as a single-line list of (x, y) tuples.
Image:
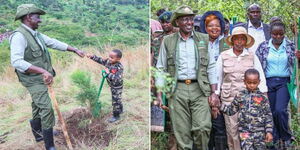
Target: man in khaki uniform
[(31, 58), (184, 56)]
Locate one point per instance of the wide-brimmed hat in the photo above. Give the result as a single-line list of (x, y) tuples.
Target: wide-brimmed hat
[(218, 15), (240, 31), (181, 11), (26, 9)]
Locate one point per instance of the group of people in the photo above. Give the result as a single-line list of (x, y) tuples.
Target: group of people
[(32, 62), (230, 91)]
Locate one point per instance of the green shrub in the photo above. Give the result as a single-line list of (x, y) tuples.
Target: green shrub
[(88, 92), (295, 125), (159, 140)]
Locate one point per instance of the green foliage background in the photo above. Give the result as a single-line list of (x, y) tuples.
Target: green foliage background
[(285, 9), (82, 23), (112, 21)]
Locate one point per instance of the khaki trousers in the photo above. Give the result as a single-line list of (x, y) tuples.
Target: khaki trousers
[(231, 123), (190, 116), (41, 105)]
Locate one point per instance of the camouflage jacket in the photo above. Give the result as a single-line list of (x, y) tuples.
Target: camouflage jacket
[(254, 112), (115, 76)]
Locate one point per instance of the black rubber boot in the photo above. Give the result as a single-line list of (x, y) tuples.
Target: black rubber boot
[(220, 143), (121, 107), (48, 139), (36, 129), (114, 118)]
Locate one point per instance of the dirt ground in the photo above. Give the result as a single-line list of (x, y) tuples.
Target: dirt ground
[(84, 129)]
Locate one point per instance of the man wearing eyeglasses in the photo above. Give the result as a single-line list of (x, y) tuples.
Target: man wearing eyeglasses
[(184, 55)]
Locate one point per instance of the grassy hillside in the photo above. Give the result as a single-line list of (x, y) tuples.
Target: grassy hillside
[(129, 133), (95, 26), (95, 22)]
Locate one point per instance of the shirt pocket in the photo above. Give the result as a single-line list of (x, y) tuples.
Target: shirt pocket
[(170, 64), (225, 90), (228, 66), (36, 51), (248, 63)]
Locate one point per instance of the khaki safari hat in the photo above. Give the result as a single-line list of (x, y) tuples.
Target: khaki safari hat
[(181, 11), (238, 31), (26, 9)]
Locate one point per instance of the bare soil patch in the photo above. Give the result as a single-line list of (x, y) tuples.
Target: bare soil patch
[(83, 129)]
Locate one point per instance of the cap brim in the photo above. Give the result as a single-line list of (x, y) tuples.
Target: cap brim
[(36, 11), (250, 40), (176, 15)]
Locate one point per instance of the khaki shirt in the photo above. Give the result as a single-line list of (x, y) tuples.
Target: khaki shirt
[(257, 65)]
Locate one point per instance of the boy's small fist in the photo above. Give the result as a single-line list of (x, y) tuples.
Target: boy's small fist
[(88, 55)]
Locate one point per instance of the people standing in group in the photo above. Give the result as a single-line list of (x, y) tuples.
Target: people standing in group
[(231, 66), (213, 24), (184, 55), (277, 59)]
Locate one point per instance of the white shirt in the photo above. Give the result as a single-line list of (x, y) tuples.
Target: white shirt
[(18, 44), (257, 65), (258, 35), (213, 52)]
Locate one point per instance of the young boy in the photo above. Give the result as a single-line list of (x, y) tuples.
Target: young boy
[(255, 117), (114, 70)]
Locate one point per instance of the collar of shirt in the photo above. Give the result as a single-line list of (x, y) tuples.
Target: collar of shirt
[(244, 53), (215, 42), (191, 36), (29, 29), (282, 45), (257, 91), (250, 25)]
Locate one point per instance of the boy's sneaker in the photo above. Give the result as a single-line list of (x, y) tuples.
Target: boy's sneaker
[(113, 119)]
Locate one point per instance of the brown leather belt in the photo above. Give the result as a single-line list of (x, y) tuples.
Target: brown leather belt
[(187, 81)]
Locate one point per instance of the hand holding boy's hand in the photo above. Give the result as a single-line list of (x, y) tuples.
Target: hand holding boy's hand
[(214, 100), (269, 137)]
